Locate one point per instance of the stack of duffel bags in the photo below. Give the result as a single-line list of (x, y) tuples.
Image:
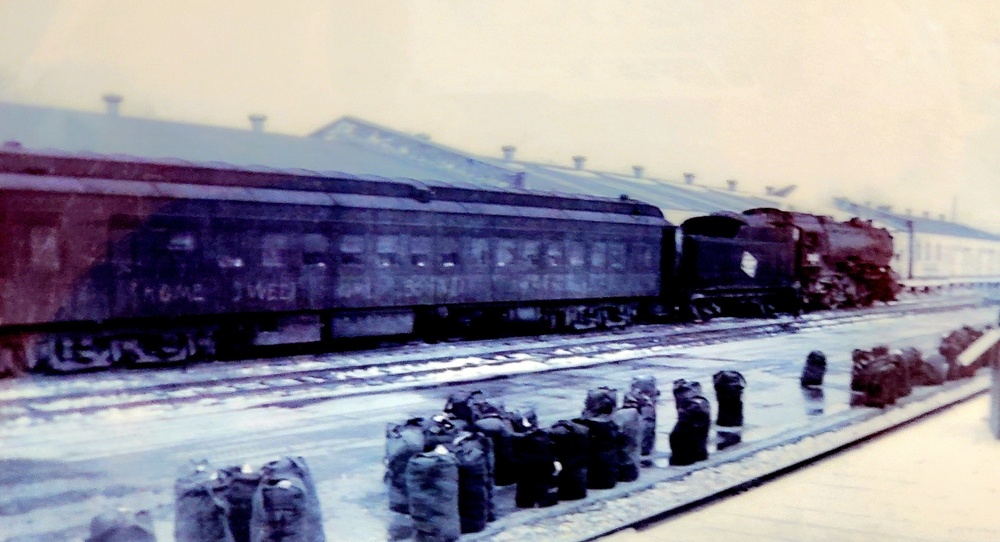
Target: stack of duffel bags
[(278, 502), (440, 470)]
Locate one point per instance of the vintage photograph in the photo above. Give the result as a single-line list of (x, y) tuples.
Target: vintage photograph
[(546, 270)]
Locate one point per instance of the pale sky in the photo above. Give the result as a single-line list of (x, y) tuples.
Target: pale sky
[(893, 102)]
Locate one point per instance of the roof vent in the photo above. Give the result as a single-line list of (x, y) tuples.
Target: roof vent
[(689, 178), (508, 152), (578, 161), (112, 103), (517, 181), (637, 171), (257, 122), (732, 185)]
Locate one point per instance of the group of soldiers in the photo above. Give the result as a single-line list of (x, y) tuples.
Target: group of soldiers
[(442, 470), (882, 375)]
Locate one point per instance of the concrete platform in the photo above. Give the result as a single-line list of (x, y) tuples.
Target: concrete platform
[(935, 480)]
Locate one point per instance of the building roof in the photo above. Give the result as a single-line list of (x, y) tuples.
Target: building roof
[(678, 200), (921, 224), (79, 131)]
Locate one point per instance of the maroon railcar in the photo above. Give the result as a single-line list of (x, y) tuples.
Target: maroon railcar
[(116, 261)]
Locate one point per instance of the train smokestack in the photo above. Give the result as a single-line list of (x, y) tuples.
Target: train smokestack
[(689, 178), (112, 104), (638, 171), (732, 185), (578, 161)]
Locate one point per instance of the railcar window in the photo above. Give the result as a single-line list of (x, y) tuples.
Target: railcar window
[(478, 252), (352, 249), (554, 255), (44, 244), (531, 253), (181, 242), (448, 251), (505, 252), (616, 256), (577, 254), (420, 251), (598, 255), (274, 250), (645, 257), (314, 249), (389, 250)]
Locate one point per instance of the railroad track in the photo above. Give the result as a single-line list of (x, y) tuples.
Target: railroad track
[(315, 378)]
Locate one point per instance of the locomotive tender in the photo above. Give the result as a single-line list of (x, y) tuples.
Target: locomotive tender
[(115, 261)]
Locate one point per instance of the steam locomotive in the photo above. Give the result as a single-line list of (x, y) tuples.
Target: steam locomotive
[(117, 261)]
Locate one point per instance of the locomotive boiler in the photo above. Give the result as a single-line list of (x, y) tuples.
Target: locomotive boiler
[(839, 264)]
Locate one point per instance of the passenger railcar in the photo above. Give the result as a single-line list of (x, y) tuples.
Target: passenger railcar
[(113, 261)]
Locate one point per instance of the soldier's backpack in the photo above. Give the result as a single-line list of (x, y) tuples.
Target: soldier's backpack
[(685, 389), (286, 506), (689, 437), (600, 401), (461, 405), (402, 441), (814, 369), (729, 386), (240, 483), (523, 419), (122, 526), (645, 385), (432, 484), (474, 482), (602, 451), (646, 405), (500, 431), (441, 429), (536, 476), (570, 443), (201, 511), (629, 448)]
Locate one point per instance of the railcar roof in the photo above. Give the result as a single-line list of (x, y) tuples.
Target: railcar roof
[(95, 174)]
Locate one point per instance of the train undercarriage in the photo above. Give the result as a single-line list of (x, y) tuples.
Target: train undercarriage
[(83, 347)]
